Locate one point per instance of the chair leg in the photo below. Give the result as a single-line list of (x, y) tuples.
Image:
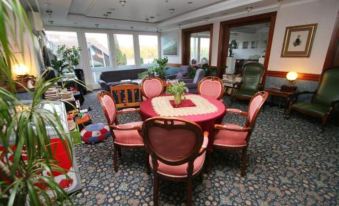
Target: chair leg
[(189, 192), (243, 163), (148, 169), (119, 152), (115, 157), (155, 189), (323, 123)]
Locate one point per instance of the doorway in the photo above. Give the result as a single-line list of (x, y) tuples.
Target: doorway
[(259, 27)]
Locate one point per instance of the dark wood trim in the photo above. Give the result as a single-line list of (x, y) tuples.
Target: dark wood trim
[(302, 76), (224, 36), (173, 65), (186, 43), (332, 47)]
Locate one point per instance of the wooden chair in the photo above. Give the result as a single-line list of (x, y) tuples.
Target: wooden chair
[(212, 87), (233, 136), (177, 150), (124, 135), (126, 95), (152, 87)]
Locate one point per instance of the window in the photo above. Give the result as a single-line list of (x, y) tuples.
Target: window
[(200, 47), (58, 38), (148, 48), (97, 45), (124, 49)]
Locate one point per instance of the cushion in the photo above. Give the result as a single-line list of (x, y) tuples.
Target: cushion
[(228, 138), (312, 108), (95, 133), (179, 171), (128, 137)]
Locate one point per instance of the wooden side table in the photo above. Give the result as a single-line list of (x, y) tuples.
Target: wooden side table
[(276, 92)]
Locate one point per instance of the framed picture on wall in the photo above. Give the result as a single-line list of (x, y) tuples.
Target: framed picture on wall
[(298, 40), (169, 43), (245, 45)]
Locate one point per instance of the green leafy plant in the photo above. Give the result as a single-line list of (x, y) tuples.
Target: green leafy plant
[(159, 66), (23, 132), (70, 56), (177, 88)]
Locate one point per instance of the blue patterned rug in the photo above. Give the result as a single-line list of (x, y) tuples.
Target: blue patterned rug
[(290, 163)]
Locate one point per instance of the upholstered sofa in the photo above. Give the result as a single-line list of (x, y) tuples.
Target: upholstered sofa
[(111, 78)]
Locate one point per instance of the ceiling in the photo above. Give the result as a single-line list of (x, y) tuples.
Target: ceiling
[(144, 15)]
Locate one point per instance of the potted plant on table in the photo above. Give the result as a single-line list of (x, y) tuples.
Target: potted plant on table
[(177, 90), (26, 160)]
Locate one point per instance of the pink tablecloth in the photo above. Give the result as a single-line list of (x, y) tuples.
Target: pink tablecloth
[(206, 121)]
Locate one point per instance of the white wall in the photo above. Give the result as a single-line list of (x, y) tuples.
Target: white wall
[(250, 53), (321, 12)]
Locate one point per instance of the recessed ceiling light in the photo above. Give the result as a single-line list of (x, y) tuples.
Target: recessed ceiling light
[(105, 15), (132, 27), (249, 8), (171, 10), (190, 2), (109, 12), (122, 2), (112, 9), (147, 19), (151, 17), (166, 1), (96, 25), (50, 21)]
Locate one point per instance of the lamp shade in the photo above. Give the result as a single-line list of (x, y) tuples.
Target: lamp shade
[(20, 69), (291, 76)]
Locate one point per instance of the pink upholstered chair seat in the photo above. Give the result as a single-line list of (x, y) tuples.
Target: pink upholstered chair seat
[(179, 171), (128, 137), (211, 87), (230, 138)]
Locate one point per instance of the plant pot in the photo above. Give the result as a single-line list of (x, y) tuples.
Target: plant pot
[(177, 99)]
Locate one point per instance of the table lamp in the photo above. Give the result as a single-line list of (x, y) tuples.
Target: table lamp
[(291, 77)]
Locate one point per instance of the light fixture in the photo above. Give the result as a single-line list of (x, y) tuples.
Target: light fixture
[(171, 10), (20, 69), (291, 76), (122, 2)]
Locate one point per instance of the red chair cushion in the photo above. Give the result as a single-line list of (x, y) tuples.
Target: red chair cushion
[(211, 88), (229, 138), (179, 171), (128, 137)]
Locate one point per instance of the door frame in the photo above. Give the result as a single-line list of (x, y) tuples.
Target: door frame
[(328, 63), (224, 36), (186, 43)]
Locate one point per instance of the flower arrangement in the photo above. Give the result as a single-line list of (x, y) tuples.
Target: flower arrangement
[(177, 90)]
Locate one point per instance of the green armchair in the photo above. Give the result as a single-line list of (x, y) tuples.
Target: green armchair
[(324, 100), (252, 77)]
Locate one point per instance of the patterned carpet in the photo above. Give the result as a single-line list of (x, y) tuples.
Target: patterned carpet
[(291, 163)]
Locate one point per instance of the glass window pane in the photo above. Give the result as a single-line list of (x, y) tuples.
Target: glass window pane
[(97, 45), (59, 38), (204, 50), (194, 50), (124, 49), (148, 48)]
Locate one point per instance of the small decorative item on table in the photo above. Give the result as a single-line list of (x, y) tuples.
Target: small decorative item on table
[(177, 90)]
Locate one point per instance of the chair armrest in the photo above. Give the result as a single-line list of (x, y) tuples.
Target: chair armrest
[(127, 110), (125, 127), (236, 111), (204, 144), (227, 127)]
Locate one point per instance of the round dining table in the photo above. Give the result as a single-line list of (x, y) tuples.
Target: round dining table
[(207, 114)]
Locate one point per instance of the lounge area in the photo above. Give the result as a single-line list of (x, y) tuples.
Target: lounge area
[(169, 102)]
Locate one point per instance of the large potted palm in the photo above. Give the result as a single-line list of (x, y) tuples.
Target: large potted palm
[(26, 160)]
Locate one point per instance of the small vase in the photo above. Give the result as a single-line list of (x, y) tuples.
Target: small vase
[(177, 99)]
